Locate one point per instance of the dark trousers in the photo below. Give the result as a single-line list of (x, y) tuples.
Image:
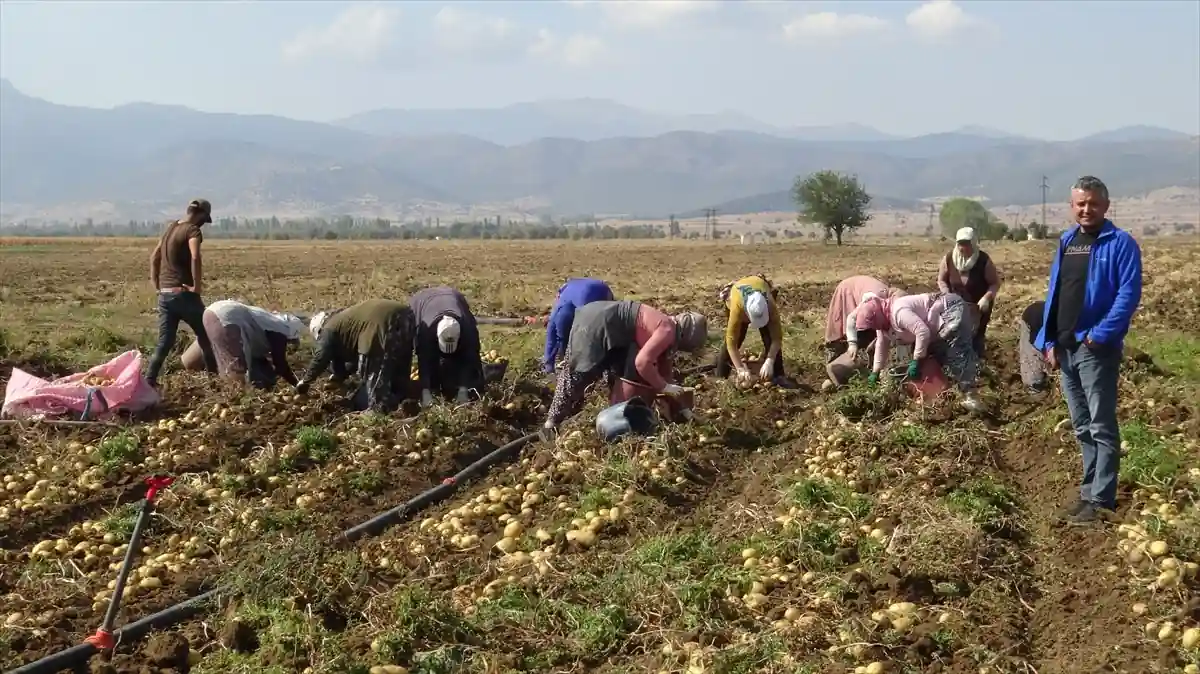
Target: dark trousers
[(172, 308), (385, 369), (725, 364), (979, 343)]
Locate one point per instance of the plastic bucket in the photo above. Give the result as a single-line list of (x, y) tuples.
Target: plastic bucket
[(193, 357), (632, 416), (843, 368), (930, 382)]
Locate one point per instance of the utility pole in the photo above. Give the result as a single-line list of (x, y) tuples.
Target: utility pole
[(931, 210), (1045, 186)]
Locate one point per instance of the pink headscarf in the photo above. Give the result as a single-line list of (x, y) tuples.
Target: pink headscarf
[(875, 313)]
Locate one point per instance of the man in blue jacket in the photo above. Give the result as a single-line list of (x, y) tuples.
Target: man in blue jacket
[(573, 294), (1095, 288)]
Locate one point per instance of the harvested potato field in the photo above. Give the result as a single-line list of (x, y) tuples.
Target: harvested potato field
[(790, 531)]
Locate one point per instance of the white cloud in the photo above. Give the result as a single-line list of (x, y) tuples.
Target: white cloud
[(576, 50), (939, 19), (649, 13), (831, 26), (360, 33), (466, 32)]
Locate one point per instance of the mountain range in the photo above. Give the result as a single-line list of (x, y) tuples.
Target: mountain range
[(562, 157)]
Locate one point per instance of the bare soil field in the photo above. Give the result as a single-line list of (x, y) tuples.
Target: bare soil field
[(790, 531)]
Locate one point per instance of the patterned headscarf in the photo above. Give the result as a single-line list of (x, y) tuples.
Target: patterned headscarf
[(875, 313), (691, 331)]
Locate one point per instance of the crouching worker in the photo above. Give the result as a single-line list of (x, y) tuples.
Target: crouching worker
[(378, 335), (448, 355), (841, 332), (605, 335), (938, 326), (1034, 371), (250, 343), (752, 304), (575, 293)]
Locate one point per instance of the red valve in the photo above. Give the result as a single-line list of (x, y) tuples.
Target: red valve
[(157, 484), (102, 639), (448, 481)]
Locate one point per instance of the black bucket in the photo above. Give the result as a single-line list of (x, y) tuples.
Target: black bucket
[(632, 416)]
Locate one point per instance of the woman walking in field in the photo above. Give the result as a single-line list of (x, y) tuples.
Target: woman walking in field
[(609, 340), (969, 273), (939, 325), (841, 333), (752, 303), (250, 343)]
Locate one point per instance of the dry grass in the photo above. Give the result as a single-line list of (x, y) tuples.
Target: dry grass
[(777, 536)]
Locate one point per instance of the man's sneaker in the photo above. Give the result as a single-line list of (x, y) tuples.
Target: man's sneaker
[(1073, 509), (1088, 515)]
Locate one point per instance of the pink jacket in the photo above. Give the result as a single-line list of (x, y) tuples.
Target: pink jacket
[(915, 319)]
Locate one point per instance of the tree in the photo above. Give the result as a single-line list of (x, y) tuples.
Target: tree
[(836, 202), (958, 213)]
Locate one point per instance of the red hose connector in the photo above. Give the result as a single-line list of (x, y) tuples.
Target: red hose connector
[(449, 481), (102, 639), (157, 484)]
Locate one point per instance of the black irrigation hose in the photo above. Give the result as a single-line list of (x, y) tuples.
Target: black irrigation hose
[(76, 655)]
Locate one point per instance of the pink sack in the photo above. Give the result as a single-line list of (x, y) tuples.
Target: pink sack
[(27, 395)]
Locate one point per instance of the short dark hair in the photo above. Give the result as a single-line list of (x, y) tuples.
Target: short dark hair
[(1091, 184)]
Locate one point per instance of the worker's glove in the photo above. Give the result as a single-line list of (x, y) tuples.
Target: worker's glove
[(767, 370), (462, 395), (302, 386), (873, 379), (743, 375), (426, 398), (914, 367), (985, 304), (672, 389)]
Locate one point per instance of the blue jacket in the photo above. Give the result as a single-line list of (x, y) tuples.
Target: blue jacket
[(573, 294), (1114, 288)]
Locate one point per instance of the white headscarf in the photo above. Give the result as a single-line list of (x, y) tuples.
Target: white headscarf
[(758, 309), (314, 325), (964, 264), (448, 331)]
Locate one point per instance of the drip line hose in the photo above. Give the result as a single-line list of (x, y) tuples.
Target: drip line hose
[(76, 655), (81, 653)]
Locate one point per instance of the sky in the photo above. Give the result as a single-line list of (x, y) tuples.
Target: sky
[(1054, 69)]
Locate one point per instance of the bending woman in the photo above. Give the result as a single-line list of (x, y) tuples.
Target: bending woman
[(937, 325), (605, 336), (969, 273), (378, 334), (572, 295), (841, 333), (752, 303)]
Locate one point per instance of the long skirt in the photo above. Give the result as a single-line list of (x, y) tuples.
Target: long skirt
[(955, 348)]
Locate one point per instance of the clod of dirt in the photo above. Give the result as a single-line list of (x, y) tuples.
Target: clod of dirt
[(168, 650), (239, 637), (101, 667)]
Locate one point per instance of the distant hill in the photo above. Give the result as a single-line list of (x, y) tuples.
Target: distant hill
[(781, 201), (142, 161), (582, 119)]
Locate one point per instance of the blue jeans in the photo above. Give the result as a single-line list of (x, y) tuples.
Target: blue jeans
[(1089, 385), (172, 308)]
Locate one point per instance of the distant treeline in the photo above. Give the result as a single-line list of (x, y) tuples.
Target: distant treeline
[(347, 227)]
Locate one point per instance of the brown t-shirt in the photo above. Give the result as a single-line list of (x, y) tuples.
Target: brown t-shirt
[(175, 258)]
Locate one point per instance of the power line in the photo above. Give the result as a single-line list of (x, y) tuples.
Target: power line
[(1045, 186)]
